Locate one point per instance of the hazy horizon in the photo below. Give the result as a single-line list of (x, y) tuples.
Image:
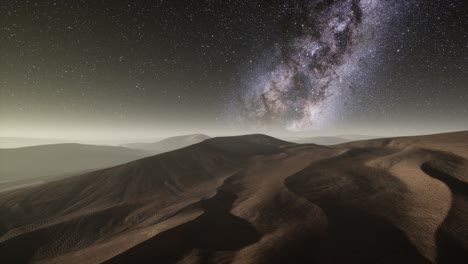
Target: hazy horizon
[(148, 136)]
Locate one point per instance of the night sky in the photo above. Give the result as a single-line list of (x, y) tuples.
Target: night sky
[(126, 69)]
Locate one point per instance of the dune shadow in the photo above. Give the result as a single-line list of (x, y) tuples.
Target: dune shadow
[(215, 230), (355, 236), (456, 185), (452, 235), (343, 187), (21, 249)]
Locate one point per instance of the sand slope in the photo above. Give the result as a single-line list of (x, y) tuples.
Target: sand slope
[(254, 199)]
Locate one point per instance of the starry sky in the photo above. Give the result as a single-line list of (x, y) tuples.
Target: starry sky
[(134, 69)]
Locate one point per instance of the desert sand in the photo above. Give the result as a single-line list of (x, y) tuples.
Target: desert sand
[(253, 199)]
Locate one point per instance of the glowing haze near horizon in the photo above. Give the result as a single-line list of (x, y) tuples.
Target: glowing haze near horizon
[(100, 70)]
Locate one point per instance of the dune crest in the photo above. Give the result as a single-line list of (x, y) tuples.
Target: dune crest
[(252, 199)]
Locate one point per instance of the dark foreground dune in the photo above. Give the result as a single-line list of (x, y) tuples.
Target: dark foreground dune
[(253, 199)]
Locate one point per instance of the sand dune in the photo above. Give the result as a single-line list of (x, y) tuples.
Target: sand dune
[(329, 140), (168, 144), (18, 166), (253, 199)]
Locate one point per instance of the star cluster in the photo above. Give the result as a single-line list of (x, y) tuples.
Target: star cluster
[(309, 81)]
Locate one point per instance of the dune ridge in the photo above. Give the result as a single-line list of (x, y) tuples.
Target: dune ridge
[(254, 199), (168, 144)]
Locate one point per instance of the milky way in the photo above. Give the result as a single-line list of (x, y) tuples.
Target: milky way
[(303, 83), (231, 65)]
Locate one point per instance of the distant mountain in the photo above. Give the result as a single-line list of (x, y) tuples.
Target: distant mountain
[(168, 144), (331, 140), (322, 140), (60, 159), (17, 142), (354, 137)]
